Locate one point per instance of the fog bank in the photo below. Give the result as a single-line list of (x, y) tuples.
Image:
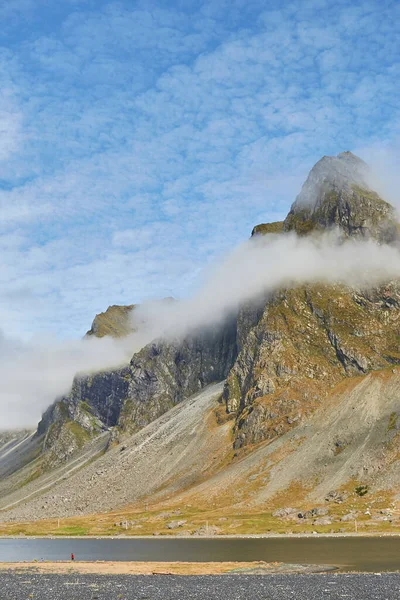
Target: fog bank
[(264, 264), (33, 374)]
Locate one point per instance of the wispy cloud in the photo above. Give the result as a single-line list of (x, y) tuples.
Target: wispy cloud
[(34, 373), (141, 141)]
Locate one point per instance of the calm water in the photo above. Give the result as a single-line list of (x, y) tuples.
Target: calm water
[(361, 554)]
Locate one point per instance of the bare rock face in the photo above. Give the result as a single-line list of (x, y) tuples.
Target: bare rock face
[(332, 172), (305, 342), (158, 377), (67, 425), (163, 374), (336, 194), (94, 404)]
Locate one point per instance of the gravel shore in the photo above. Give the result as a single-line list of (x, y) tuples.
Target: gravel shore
[(170, 587)]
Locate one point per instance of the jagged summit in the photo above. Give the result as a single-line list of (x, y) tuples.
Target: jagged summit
[(332, 172), (336, 194)]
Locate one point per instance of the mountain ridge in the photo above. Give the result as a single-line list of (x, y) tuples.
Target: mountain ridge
[(280, 356), (129, 398)]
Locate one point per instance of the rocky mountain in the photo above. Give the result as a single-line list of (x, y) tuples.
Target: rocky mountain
[(304, 343), (336, 194), (284, 360), (308, 338)]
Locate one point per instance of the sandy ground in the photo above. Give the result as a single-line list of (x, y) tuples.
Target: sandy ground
[(159, 568)]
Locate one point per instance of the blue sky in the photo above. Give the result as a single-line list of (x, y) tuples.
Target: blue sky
[(140, 141)]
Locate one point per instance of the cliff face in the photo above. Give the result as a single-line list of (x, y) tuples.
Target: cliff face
[(93, 406), (163, 374), (307, 340), (158, 377)]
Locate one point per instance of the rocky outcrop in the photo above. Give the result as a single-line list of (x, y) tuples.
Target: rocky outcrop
[(116, 321), (306, 341), (336, 194), (93, 405), (163, 374), (266, 228)]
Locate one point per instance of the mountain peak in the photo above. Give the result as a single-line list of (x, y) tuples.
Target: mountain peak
[(336, 194), (115, 321), (333, 172)]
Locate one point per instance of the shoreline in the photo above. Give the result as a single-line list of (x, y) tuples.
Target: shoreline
[(203, 537), (163, 568)]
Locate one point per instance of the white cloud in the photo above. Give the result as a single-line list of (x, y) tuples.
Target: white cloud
[(267, 263), (384, 159), (142, 142), (35, 372)]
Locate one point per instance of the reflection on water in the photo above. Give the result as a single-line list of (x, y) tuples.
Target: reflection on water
[(360, 554)]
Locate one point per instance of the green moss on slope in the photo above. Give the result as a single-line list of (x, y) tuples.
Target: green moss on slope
[(265, 228), (79, 433), (115, 321)]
